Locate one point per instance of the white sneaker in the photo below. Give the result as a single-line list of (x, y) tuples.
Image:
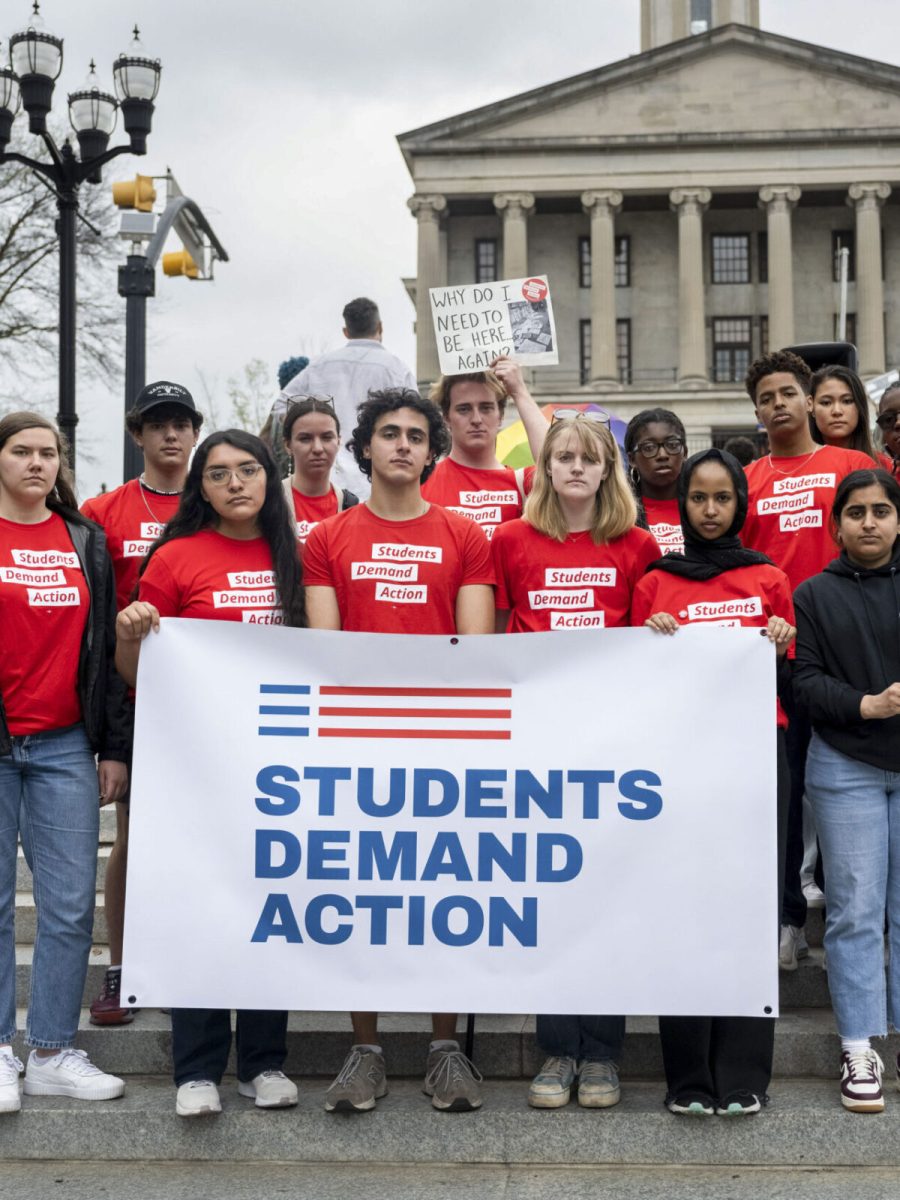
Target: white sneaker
[(272, 1089), (815, 897), (198, 1098), (792, 945), (70, 1073), (10, 1067)]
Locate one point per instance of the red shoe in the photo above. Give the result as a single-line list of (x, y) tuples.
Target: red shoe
[(107, 1009)]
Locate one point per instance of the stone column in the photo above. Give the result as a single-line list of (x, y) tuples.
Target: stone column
[(514, 208), (867, 199), (427, 210), (690, 204), (602, 208), (778, 202)]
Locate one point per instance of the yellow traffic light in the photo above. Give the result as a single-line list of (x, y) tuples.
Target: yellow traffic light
[(179, 262), (136, 193)]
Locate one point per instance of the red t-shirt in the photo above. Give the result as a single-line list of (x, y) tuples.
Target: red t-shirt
[(44, 604), (789, 515), (664, 521), (133, 518), (745, 596), (310, 510), (488, 497), (567, 585), (397, 576), (214, 578)]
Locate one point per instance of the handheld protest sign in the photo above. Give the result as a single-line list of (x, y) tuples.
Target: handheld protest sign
[(475, 323)]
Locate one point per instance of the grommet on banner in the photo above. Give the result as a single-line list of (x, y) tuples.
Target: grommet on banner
[(768, 1010), (454, 641), (132, 999)]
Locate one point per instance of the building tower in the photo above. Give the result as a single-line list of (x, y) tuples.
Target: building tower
[(664, 21)]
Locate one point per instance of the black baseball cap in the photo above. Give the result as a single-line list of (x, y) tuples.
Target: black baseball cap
[(163, 392)]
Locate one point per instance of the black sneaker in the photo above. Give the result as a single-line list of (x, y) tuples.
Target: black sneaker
[(690, 1104), (740, 1104)]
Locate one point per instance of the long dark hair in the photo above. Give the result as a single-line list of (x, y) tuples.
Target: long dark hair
[(861, 438), (61, 498), (863, 479), (195, 513)]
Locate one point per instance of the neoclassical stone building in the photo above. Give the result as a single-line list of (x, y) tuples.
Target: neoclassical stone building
[(687, 204)]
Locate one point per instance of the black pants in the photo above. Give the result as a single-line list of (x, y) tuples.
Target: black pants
[(717, 1055), (793, 908), (201, 1040)]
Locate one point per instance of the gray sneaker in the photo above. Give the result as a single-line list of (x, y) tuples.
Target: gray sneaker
[(452, 1081), (552, 1086), (360, 1082), (598, 1084)]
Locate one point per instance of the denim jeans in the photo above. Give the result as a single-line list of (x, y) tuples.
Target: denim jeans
[(857, 810), (49, 784), (593, 1039)]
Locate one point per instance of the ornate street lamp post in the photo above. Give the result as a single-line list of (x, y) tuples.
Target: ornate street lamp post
[(35, 63)]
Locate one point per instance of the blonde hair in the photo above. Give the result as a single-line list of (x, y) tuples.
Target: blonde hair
[(615, 511)]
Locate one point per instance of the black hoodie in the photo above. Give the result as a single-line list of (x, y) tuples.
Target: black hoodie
[(848, 646)]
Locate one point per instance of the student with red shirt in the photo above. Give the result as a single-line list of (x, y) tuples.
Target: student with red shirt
[(719, 1064), (164, 424), (312, 438), (61, 703), (840, 415), (397, 564), (228, 554), (573, 559), (656, 443), (571, 562), (888, 422), (471, 480), (791, 493)]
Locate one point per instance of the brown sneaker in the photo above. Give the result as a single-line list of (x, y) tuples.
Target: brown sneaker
[(107, 1008)]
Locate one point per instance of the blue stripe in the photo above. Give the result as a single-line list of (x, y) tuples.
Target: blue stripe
[(287, 731), (291, 689), (283, 710)]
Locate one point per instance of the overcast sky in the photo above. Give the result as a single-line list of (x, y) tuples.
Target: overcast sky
[(280, 118)]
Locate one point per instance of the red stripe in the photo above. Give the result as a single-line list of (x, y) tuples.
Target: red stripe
[(461, 734), (453, 713), (409, 691)]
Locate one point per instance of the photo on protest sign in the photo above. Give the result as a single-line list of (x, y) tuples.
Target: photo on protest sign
[(475, 323)]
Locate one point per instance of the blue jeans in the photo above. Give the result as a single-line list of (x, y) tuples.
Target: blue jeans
[(857, 811), (51, 780), (593, 1039)]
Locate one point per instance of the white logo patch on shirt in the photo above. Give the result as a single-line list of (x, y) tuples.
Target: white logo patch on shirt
[(136, 547), (796, 483), (579, 576), (577, 620), (251, 579), (242, 599), (386, 572), (781, 504), (36, 578), (568, 599), (394, 593), (63, 597), (708, 610), (809, 518), (394, 551), (45, 558), (477, 499)]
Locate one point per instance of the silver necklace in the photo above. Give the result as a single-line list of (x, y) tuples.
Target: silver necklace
[(798, 466), (145, 488)]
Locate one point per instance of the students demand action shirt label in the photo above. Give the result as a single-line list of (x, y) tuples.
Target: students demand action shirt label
[(44, 603), (397, 576), (213, 578), (574, 584), (790, 506), (664, 522), (132, 518), (310, 510), (487, 497)]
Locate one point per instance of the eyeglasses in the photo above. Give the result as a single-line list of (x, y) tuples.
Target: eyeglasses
[(573, 414), (887, 420), (220, 476), (671, 445)]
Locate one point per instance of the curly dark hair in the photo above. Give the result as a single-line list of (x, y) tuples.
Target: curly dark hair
[(390, 400), (771, 364), (275, 524)]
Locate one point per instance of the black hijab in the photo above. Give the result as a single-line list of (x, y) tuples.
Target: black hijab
[(703, 559)]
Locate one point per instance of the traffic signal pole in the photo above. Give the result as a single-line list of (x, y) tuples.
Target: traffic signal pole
[(137, 281)]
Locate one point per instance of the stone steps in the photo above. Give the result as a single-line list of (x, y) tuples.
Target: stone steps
[(805, 1124), (26, 919), (805, 1045), (23, 871)]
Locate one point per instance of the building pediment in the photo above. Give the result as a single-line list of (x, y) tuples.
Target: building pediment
[(732, 81)]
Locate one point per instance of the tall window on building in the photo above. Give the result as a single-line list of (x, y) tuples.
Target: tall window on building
[(622, 264), (623, 349), (731, 258), (850, 335), (841, 238), (731, 348), (762, 256), (584, 351), (764, 335), (485, 260)]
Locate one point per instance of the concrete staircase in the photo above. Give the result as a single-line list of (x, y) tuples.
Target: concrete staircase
[(804, 1143)]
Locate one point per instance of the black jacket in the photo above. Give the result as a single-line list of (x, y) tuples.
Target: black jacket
[(848, 646), (106, 713)]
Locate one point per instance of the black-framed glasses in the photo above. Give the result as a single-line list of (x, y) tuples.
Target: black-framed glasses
[(671, 445), (220, 476), (574, 414), (887, 420)]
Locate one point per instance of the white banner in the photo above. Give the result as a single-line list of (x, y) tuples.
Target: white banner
[(475, 322), (570, 822)]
